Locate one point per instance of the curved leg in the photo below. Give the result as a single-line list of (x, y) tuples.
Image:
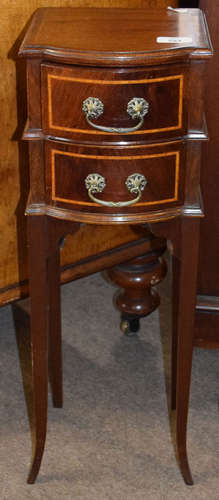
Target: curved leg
[(183, 233), (185, 325), (56, 231), (38, 324), (44, 235)]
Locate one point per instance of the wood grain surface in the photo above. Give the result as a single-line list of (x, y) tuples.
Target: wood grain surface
[(15, 17), (64, 116), (79, 43), (66, 171)]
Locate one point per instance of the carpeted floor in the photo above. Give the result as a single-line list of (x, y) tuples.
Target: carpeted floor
[(113, 438)]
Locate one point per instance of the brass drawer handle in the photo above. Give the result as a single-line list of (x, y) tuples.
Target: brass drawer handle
[(136, 108), (135, 184)]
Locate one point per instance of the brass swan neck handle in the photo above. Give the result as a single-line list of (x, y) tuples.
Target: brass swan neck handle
[(137, 108), (96, 183)]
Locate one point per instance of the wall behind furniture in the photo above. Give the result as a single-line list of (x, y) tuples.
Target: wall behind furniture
[(209, 253)]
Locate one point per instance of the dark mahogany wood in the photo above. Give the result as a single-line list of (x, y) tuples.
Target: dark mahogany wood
[(162, 165), (207, 317), (185, 333), (183, 234), (37, 237), (137, 277), (65, 88), (56, 231), (44, 235), (175, 312), (62, 154), (126, 41), (110, 258)]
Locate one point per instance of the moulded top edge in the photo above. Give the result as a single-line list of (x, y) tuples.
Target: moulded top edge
[(116, 36)]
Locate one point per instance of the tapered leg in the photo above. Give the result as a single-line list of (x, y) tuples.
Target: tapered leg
[(185, 322), (55, 344), (56, 230), (175, 302), (38, 323), (183, 236)]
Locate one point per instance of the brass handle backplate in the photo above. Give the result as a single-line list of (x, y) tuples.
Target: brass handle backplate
[(137, 108), (96, 183)]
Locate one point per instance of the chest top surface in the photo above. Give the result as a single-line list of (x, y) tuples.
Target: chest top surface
[(116, 36)]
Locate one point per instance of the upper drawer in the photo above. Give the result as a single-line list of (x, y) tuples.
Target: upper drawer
[(161, 92)]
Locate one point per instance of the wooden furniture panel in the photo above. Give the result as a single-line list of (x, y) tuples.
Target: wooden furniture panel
[(55, 44), (15, 17), (207, 324), (163, 167), (55, 201), (207, 317), (209, 270), (65, 91)]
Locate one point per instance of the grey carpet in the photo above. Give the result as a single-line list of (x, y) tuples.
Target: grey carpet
[(114, 437)]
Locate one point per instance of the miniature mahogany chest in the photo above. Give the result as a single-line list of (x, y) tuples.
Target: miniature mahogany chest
[(115, 127)]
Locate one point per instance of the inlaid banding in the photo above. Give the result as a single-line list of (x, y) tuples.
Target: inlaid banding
[(174, 154), (51, 78)]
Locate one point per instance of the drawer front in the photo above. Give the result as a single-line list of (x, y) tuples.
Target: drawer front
[(65, 89), (68, 169)]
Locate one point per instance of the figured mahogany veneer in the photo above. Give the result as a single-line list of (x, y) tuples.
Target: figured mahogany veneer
[(134, 44), (163, 90), (171, 170), (67, 168), (114, 55)]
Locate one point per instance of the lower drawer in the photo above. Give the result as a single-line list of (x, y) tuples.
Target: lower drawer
[(106, 180)]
